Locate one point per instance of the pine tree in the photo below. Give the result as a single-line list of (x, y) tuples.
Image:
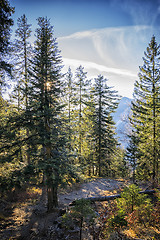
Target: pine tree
[(106, 101), (6, 22), (132, 153), (14, 170), (45, 109), (88, 138), (146, 109), (22, 52), (68, 98), (81, 85), (5, 29), (119, 164)]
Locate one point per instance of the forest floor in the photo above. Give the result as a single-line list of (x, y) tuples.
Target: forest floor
[(28, 219), (95, 188)]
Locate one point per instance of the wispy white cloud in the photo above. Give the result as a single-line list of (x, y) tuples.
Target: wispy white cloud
[(142, 12), (115, 53), (121, 79), (98, 67), (77, 35), (121, 47), (93, 32)]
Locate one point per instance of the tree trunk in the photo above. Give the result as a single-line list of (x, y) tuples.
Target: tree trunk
[(111, 197), (80, 126), (100, 135), (93, 172), (81, 225), (154, 137), (52, 198), (89, 171), (134, 170)]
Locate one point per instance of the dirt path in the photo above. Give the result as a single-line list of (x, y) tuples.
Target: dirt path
[(95, 188), (33, 222)]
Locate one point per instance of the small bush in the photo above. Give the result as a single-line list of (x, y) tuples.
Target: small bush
[(118, 221), (82, 211), (130, 199)]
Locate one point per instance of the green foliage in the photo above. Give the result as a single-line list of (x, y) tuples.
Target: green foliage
[(91, 142), (6, 22), (45, 107), (43, 135), (138, 209), (145, 118), (22, 56), (154, 216), (82, 211), (118, 221), (132, 153), (106, 101), (130, 199), (118, 165), (81, 85), (157, 194), (119, 217)]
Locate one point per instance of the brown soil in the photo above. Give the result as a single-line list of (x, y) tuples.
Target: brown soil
[(29, 221), (95, 188)]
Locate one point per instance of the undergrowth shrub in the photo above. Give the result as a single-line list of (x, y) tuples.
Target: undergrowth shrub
[(132, 212), (118, 221), (78, 214), (130, 199)]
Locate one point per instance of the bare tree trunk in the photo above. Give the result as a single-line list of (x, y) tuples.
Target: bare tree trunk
[(111, 197), (81, 225), (52, 198)]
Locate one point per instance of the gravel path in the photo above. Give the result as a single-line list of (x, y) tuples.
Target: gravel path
[(95, 188)]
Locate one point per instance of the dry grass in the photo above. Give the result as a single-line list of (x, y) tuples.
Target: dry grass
[(147, 233), (130, 233), (16, 212)]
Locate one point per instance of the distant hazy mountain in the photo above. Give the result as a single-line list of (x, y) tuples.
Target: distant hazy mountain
[(120, 117)]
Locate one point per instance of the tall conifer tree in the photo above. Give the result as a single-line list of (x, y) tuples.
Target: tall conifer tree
[(22, 52), (69, 106), (146, 109), (5, 24), (81, 85), (106, 101), (89, 120), (132, 153), (45, 108)]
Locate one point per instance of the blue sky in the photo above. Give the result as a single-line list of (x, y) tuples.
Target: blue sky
[(69, 16), (105, 36)]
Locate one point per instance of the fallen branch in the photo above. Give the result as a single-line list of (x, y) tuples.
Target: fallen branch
[(111, 197)]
